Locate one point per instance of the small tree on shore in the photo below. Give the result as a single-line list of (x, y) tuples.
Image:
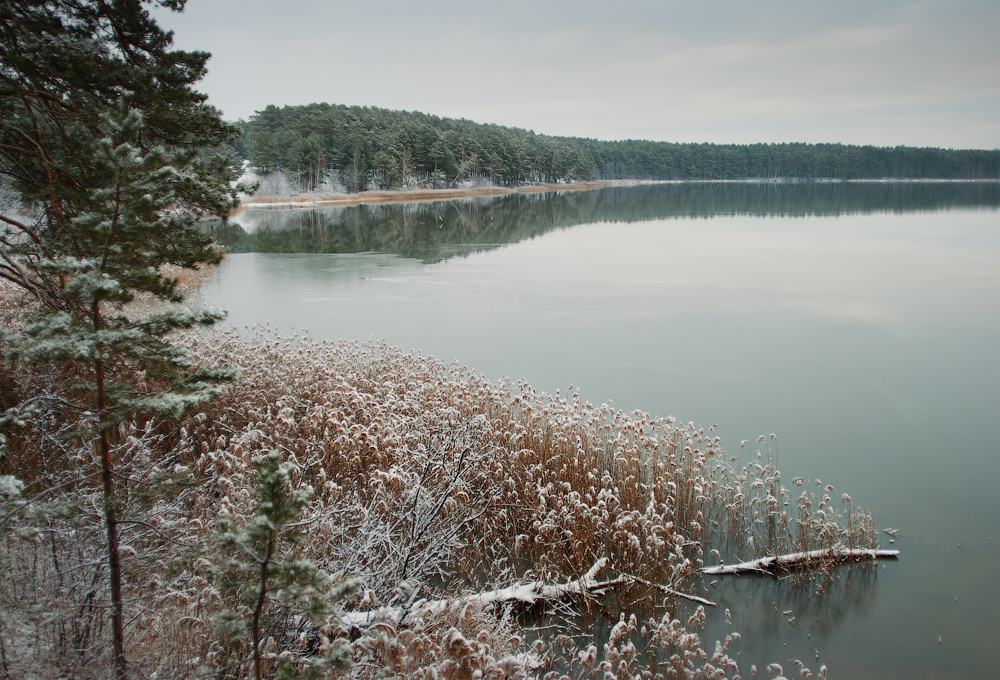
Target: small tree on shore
[(267, 582), (105, 139)]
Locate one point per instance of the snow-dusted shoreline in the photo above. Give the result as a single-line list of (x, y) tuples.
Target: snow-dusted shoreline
[(310, 200), (413, 195)]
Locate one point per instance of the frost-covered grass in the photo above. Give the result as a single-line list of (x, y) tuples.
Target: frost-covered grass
[(429, 481)]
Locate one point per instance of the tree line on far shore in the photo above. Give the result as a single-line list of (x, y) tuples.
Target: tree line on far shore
[(357, 148)]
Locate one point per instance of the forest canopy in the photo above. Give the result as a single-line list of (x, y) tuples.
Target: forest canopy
[(372, 148)]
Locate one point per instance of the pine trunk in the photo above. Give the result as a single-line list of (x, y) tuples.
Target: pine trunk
[(111, 524), (259, 608)]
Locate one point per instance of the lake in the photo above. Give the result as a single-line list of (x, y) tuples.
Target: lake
[(856, 321)]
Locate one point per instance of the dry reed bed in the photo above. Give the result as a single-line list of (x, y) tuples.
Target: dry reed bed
[(429, 481), (554, 483)]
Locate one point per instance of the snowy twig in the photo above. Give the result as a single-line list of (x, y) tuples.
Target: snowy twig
[(671, 591), (37, 497), (157, 531)]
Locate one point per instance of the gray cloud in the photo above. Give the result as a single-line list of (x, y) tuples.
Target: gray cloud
[(886, 73)]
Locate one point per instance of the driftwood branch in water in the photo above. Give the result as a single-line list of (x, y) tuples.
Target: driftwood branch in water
[(525, 593), (530, 593), (777, 564), (671, 591)]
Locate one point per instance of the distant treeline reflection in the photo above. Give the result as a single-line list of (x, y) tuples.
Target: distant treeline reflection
[(436, 230)]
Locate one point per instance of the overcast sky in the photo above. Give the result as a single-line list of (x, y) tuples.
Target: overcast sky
[(882, 72)]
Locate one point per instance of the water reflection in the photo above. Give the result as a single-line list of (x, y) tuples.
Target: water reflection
[(774, 613), (437, 230)]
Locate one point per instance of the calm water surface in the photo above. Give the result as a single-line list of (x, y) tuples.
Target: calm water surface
[(859, 323)]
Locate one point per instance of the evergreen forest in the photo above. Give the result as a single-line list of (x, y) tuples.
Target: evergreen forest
[(372, 148)]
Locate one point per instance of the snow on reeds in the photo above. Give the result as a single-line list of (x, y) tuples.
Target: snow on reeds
[(429, 482), (535, 481)]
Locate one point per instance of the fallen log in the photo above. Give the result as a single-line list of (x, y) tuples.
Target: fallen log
[(778, 564), (526, 593)]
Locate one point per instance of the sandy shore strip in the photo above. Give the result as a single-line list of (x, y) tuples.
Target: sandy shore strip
[(411, 195)]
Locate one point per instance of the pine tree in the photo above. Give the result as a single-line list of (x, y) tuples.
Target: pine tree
[(105, 139), (271, 587)]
